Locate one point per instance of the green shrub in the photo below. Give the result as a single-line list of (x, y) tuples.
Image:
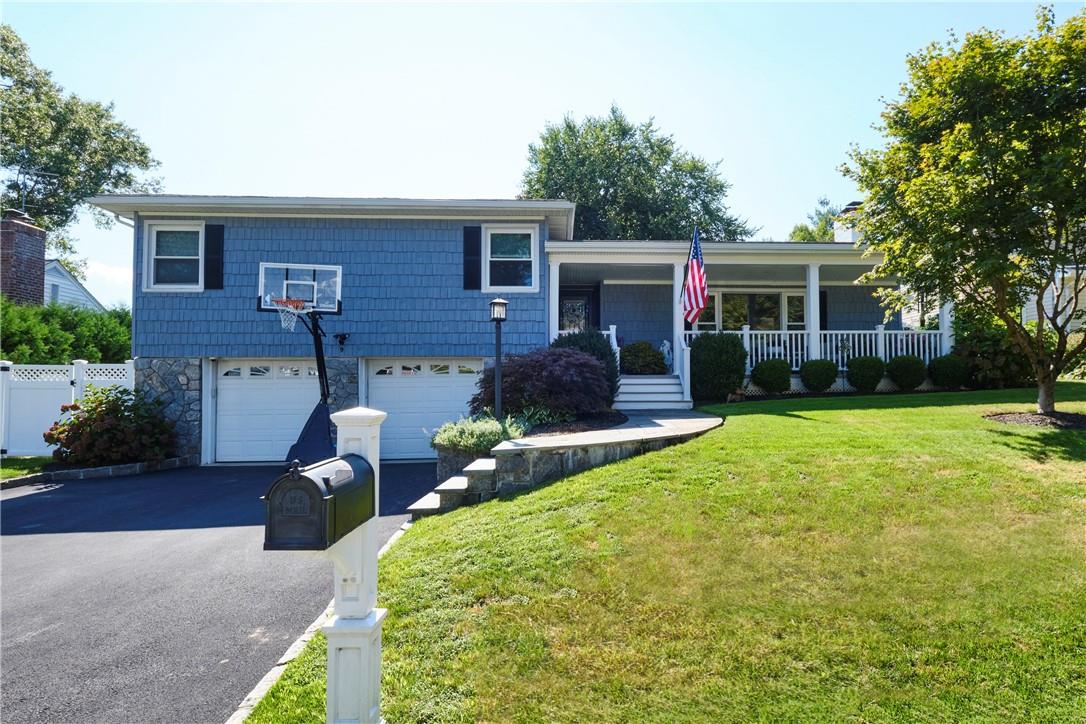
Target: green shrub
[(1076, 371), (995, 361), (641, 358), (718, 364), (567, 382), (907, 371), (111, 426), (818, 375), (772, 375), (950, 371), (865, 373), (57, 334), (476, 435), (595, 344)]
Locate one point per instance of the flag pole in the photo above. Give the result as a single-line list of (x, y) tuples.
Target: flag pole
[(686, 264)]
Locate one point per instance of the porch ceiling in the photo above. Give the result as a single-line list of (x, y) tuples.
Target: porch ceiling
[(719, 274)]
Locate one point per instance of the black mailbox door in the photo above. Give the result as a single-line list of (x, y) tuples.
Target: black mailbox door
[(296, 516)]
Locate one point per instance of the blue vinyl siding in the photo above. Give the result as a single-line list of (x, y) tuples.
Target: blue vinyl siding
[(402, 294), (854, 308), (641, 312)]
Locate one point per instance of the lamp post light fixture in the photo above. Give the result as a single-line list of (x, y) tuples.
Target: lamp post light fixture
[(497, 316)]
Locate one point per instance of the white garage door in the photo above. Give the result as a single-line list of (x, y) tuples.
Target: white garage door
[(419, 395), (261, 407)]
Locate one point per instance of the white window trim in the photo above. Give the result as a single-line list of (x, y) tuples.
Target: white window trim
[(784, 294), (489, 229), (149, 230), (264, 265)]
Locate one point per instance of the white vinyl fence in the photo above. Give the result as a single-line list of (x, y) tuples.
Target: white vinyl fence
[(31, 396)]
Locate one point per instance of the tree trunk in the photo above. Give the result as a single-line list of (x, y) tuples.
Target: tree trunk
[(1046, 394)]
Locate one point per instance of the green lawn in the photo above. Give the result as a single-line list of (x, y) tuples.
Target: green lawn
[(17, 467), (838, 558)]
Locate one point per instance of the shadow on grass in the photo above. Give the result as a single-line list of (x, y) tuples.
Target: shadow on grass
[(793, 406), (1043, 444)]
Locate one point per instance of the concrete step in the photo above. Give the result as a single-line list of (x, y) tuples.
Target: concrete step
[(676, 395), (659, 387), (654, 405), (481, 475), (646, 379), (429, 504), (454, 493)]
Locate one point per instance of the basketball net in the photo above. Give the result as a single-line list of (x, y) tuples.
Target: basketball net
[(289, 310)]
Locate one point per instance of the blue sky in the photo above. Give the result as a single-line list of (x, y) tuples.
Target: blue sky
[(443, 100)]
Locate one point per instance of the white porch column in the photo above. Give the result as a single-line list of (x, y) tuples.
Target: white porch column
[(946, 328), (813, 313), (552, 300), (676, 312)]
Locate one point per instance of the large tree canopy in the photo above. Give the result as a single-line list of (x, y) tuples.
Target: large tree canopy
[(819, 226), (629, 182), (979, 195), (57, 148)]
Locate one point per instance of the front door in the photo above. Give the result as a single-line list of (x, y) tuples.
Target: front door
[(578, 308)]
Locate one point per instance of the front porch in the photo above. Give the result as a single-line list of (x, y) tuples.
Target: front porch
[(788, 301)]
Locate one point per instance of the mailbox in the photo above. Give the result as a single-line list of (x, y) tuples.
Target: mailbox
[(311, 508)]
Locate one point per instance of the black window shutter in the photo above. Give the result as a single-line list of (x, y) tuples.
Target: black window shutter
[(213, 236), (823, 314), (473, 257)]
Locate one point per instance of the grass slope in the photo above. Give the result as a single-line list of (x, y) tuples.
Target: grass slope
[(864, 558)]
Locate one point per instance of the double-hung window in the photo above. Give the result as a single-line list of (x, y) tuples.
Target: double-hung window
[(510, 258), (173, 257)]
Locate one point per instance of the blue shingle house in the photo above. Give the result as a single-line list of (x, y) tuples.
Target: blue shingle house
[(405, 286)]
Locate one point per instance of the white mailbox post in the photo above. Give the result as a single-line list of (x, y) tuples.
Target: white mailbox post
[(354, 631)]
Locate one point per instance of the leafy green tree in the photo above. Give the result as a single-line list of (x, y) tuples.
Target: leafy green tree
[(57, 149), (629, 181), (979, 195), (819, 226)]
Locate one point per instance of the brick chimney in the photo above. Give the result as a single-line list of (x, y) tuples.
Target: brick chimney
[(22, 259)]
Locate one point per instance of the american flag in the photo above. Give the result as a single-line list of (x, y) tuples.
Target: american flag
[(696, 287)]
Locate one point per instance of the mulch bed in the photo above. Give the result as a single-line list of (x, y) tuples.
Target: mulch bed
[(1061, 420), (581, 424)]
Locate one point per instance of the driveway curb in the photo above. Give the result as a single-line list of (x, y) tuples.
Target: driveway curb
[(268, 681), (105, 471)]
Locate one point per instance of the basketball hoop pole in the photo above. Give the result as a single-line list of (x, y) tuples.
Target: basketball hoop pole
[(314, 326)]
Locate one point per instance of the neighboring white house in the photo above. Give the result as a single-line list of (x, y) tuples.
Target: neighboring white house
[(1062, 291), (63, 288)]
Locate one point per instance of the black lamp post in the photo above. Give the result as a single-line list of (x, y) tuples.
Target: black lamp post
[(497, 316)]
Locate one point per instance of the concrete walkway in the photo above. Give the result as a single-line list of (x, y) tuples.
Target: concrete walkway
[(641, 426)]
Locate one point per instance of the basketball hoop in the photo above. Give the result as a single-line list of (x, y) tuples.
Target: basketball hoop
[(289, 310)]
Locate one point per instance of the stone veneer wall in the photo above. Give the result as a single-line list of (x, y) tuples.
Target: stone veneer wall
[(176, 382), (342, 382)]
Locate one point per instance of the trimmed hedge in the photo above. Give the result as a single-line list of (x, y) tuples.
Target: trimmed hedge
[(595, 344), (950, 371), (772, 375), (718, 364), (476, 435), (907, 371), (57, 333), (818, 375), (865, 373), (641, 358), (567, 382)]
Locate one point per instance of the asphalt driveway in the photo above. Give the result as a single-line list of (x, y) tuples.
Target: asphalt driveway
[(149, 598)]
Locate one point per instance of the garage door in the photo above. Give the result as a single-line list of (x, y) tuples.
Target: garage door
[(419, 395), (261, 407)]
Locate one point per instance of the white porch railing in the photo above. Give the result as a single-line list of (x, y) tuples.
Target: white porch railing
[(838, 346), (610, 334)]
